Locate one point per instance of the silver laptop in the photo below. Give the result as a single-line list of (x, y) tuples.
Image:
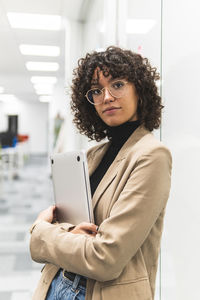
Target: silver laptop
[(72, 187)]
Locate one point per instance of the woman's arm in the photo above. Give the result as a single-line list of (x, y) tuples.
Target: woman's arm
[(104, 256), (48, 215)]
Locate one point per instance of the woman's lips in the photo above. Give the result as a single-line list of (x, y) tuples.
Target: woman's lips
[(111, 110)]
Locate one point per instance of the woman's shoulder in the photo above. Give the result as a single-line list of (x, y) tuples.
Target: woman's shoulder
[(151, 142), (151, 146), (99, 147)]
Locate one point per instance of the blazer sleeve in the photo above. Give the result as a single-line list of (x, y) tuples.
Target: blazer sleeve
[(120, 235)]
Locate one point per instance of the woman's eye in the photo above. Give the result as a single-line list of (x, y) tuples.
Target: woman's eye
[(118, 84), (96, 91)]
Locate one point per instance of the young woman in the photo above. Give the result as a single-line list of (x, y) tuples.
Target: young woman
[(114, 96)]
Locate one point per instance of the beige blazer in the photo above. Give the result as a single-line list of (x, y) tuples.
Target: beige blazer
[(129, 206)]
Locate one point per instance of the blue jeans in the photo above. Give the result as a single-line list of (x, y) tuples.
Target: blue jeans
[(62, 288)]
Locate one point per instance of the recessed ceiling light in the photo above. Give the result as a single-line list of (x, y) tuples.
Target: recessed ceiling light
[(1, 89), (45, 98), (7, 98), (139, 26), (43, 89), (39, 50), (42, 66), (34, 21), (43, 79)]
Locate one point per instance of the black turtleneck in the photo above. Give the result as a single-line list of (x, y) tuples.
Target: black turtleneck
[(118, 136)]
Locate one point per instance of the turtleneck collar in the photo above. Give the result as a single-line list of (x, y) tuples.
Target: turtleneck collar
[(119, 134)]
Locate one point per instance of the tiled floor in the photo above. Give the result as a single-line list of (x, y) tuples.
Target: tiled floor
[(20, 201)]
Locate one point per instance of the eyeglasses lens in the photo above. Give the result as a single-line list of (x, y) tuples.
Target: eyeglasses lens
[(96, 96)]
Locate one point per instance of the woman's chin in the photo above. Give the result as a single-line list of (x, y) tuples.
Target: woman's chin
[(114, 123)]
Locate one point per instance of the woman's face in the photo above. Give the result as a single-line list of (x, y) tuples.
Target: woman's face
[(116, 111)]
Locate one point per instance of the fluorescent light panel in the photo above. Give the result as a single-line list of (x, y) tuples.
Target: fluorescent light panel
[(7, 97), (42, 66), (1, 89), (139, 26), (45, 98), (43, 92), (43, 79), (39, 50), (34, 21), (43, 89)]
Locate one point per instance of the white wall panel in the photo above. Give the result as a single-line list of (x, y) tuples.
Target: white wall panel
[(3, 119), (32, 120), (181, 132)]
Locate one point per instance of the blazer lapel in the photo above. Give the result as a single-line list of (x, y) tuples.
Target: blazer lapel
[(115, 166), (105, 182), (95, 158)]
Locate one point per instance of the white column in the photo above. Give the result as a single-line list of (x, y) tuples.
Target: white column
[(69, 139), (110, 22), (122, 6)]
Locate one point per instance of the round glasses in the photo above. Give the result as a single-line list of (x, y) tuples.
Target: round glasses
[(117, 89)]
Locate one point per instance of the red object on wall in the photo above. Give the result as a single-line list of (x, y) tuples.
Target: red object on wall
[(22, 138)]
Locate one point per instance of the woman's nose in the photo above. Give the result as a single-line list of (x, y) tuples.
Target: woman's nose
[(107, 96)]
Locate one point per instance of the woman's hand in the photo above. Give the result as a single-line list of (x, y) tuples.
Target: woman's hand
[(85, 228), (47, 215)]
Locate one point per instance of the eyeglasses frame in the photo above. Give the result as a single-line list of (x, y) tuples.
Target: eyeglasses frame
[(104, 94)]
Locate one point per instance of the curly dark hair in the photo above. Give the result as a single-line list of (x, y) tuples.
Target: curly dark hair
[(118, 63)]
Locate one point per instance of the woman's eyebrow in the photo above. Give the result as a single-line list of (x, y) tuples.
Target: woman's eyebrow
[(115, 79), (109, 80), (98, 85), (118, 78)]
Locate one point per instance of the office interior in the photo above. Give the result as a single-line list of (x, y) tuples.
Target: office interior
[(41, 42)]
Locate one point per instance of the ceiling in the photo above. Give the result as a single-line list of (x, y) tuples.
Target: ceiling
[(14, 76)]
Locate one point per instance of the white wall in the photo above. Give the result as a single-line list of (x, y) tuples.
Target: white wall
[(149, 44), (69, 138), (58, 105), (33, 121), (100, 26), (3, 120), (181, 132)]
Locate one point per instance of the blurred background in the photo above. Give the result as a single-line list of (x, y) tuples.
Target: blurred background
[(40, 43)]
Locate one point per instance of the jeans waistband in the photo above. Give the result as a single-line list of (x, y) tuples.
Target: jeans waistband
[(77, 279)]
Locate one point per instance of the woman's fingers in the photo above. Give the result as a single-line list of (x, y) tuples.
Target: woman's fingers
[(85, 228), (88, 226), (47, 214)]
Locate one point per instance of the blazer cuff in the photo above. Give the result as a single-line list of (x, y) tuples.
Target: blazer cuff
[(34, 225), (66, 226)]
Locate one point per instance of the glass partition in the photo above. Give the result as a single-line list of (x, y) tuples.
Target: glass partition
[(139, 28)]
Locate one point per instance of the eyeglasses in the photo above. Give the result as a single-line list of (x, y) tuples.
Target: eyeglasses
[(117, 89)]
